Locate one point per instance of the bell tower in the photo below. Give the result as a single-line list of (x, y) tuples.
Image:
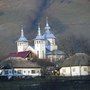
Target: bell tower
[(22, 42), (49, 36), (39, 44)]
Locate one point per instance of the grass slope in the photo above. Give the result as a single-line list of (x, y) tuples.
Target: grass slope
[(65, 16)]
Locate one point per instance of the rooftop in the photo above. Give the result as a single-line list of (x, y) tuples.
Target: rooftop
[(22, 37), (48, 34), (79, 59), (55, 52), (18, 64), (20, 54)]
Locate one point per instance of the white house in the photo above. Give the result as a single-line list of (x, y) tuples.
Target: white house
[(19, 67), (44, 44), (76, 65)]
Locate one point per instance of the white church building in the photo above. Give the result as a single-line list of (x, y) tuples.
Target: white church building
[(44, 44)]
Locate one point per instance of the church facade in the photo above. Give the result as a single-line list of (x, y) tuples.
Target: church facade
[(44, 44)]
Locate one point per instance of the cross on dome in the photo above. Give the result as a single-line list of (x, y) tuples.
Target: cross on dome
[(39, 30), (47, 27), (22, 37)]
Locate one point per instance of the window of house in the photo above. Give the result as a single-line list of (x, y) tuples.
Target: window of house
[(15, 71), (85, 69), (10, 71), (28, 71), (64, 70), (6, 71), (73, 69), (39, 41), (38, 71), (24, 71), (33, 71), (19, 71)]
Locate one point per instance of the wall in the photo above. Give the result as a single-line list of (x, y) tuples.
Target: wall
[(65, 71), (22, 72), (75, 71)]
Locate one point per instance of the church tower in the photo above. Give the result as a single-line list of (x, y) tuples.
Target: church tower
[(49, 37), (22, 42), (39, 44)]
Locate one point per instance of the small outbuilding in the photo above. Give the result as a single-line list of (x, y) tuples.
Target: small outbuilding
[(76, 65), (19, 67)]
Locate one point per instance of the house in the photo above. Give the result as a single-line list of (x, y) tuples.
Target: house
[(44, 44), (19, 68), (76, 65)]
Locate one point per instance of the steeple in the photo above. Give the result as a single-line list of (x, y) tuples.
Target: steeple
[(39, 36), (39, 30), (22, 33), (47, 27), (22, 37), (48, 33)]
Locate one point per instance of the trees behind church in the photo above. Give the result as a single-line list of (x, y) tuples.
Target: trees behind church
[(72, 44)]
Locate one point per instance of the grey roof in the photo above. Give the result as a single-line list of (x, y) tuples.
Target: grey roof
[(48, 34), (22, 38), (39, 37), (56, 52), (79, 59), (18, 63)]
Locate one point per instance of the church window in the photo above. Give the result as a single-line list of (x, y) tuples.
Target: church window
[(35, 42), (19, 43), (43, 53), (38, 53)]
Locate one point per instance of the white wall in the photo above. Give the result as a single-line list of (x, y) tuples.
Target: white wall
[(22, 72), (65, 71), (55, 57), (53, 45), (75, 71), (31, 49), (22, 46), (85, 70), (40, 48)]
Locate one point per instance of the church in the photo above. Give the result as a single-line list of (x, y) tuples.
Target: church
[(44, 46)]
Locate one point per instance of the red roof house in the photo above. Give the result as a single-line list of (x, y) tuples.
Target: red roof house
[(23, 55)]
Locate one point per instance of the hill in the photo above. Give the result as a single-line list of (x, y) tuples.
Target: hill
[(68, 18)]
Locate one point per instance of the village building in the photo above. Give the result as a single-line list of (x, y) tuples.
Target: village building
[(76, 65), (27, 55), (19, 67), (44, 46)]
